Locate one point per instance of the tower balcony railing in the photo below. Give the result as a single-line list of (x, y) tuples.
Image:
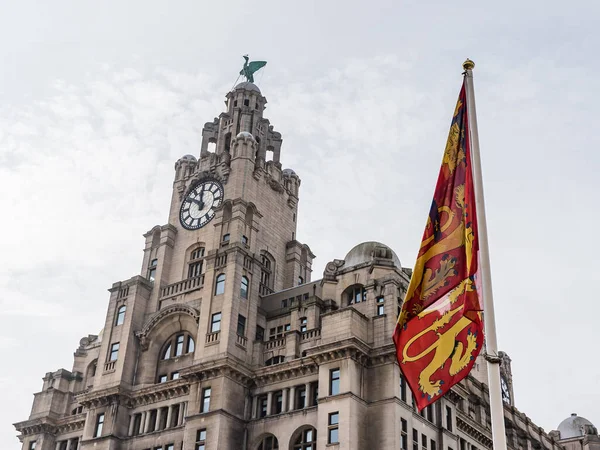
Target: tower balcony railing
[(275, 343), (241, 340), (315, 333), (182, 287), (264, 290)]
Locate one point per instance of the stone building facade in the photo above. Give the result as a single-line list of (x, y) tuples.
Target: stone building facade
[(224, 341)]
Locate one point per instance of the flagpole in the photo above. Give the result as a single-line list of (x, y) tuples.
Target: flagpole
[(491, 355)]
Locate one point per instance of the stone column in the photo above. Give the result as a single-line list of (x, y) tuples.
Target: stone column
[(169, 414), (158, 417), (307, 399), (269, 401), (292, 398), (131, 423), (142, 422), (284, 394), (254, 407), (58, 446), (147, 424)]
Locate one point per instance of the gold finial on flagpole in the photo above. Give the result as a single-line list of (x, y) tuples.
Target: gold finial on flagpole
[(468, 64)]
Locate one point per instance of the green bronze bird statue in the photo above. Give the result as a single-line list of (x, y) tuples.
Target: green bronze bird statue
[(250, 68)]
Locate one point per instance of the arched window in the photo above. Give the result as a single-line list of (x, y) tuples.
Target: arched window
[(306, 439), (121, 315), (220, 284), (274, 360), (244, 287), (355, 294), (177, 345), (268, 442)]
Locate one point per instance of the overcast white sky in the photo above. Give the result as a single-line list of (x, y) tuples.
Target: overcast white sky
[(99, 99)]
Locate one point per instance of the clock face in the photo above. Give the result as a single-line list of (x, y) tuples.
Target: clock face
[(505, 391), (199, 206)]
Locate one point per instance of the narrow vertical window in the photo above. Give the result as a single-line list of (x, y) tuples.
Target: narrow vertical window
[(433, 445), (241, 325), (244, 287), (179, 344), (300, 281), (205, 400), (99, 425), (152, 269), (114, 352), (32, 445), (121, 315), (380, 306), (303, 324), (201, 439), (262, 405), (334, 381), (278, 402), (245, 240), (424, 442), (332, 428), (448, 418), (260, 333), (220, 284), (402, 388), (301, 397), (190, 345), (216, 323), (415, 440), (404, 435)]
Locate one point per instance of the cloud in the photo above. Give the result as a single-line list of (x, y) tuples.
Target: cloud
[(87, 169)]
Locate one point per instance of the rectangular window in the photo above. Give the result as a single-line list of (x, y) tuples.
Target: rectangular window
[(195, 269), (241, 325), (260, 333), (179, 345), (215, 323), (63, 445), (114, 352), (424, 441), (170, 447), (272, 333), (402, 388), (300, 281), (314, 390), (448, 418), (404, 435), (415, 440), (278, 402), (162, 378), (429, 413), (152, 269), (334, 382), (462, 444), (287, 327), (201, 439), (380, 306), (226, 237), (205, 399), (262, 405), (300, 397), (433, 445), (99, 425), (244, 240), (175, 376), (32, 445), (284, 303), (303, 324), (332, 429), (175, 416)]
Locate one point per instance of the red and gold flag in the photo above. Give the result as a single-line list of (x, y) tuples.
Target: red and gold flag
[(440, 329)]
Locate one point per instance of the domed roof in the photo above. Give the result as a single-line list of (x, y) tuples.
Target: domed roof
[(247, 86), (245, 134), (367, 251), (575, 426), (288, 172), (188, 158)]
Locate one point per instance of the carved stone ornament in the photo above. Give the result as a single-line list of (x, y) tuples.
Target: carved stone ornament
[(171, 310)]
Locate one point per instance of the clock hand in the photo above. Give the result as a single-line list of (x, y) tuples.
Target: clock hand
[(201, 204)]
